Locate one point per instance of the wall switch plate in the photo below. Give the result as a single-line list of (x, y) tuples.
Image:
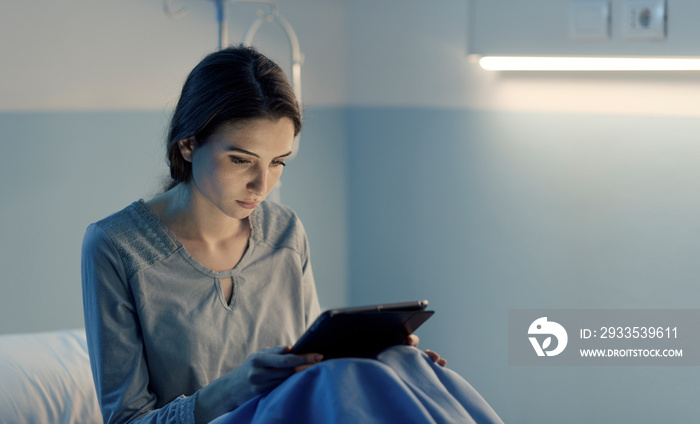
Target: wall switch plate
[(589, 20), (644, 20)]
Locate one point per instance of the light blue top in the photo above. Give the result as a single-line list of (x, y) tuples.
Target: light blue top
[(158, 326)]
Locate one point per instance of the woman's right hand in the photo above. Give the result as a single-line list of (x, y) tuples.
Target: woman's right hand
[(261, 371)]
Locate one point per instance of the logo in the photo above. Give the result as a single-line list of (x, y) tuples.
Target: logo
[(543, 327)]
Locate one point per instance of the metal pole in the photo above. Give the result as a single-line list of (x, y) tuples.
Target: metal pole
[(223, 26)]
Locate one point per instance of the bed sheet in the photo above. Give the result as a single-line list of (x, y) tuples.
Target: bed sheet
[(401, 386)]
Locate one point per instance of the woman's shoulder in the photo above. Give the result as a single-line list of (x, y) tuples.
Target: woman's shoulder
[(278, 226), (131, 219), (134, 233)]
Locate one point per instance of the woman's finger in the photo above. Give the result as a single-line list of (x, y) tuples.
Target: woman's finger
[(275, 360), (412, 340), (301, 368), (432, 355), (435, 357)]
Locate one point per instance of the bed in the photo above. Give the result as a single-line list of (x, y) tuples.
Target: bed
[(46, 378)]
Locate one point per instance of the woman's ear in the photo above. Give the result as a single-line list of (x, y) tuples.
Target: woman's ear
[(186, 146)]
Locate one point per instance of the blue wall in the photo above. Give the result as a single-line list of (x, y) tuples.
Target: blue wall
[(59, 172), (481, 212)]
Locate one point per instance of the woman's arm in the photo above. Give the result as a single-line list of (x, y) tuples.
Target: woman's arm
[(114, 339), (312, 308)]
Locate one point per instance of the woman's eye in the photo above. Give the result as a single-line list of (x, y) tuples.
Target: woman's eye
[(279, 162), (239, 161)]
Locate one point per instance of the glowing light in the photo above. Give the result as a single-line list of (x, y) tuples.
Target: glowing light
[(525, 63)]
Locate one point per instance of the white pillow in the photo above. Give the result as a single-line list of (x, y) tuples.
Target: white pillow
[(46, 378)]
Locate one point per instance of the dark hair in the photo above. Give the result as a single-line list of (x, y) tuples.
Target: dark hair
[(234, 84)]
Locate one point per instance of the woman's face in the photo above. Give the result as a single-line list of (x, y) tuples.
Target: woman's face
[(239, 164)]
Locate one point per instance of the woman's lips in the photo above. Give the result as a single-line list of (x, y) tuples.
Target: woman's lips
[(247, 205)]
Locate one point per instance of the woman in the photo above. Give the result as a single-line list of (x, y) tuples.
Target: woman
[(185, 294)]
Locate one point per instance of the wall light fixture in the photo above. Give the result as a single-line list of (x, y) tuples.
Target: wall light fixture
[(557, 63)]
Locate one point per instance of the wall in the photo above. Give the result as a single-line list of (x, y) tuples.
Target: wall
[(542, 27), (491, 211), (412, 53), (61, 171), (484, 192), (81, 54)]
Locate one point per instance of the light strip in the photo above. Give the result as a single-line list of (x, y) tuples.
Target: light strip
[(524, 63)]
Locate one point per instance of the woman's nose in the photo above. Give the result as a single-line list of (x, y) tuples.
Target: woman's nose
[(257, 183)]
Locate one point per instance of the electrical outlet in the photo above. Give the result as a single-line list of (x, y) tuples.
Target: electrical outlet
[(644, 20)]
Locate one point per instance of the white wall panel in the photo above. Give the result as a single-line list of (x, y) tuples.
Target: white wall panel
[(542, 27), (127, 54)]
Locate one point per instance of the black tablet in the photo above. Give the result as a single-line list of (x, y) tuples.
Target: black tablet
[(362, 331)]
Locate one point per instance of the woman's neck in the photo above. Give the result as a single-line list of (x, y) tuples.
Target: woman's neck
[(192, 217)]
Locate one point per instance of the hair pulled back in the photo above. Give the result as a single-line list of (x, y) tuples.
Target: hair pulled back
[(230, 85)]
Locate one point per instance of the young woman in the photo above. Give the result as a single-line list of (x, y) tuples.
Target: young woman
[(186, 295)]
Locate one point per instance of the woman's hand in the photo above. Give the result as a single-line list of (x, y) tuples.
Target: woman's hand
[(413, 340), (436, 358), (261, 371)]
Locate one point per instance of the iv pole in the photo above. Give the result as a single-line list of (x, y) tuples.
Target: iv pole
[(272, 16)]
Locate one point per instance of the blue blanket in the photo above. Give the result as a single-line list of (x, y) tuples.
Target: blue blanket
[(401, 386)]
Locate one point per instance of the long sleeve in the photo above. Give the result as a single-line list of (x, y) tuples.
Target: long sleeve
[(115, 342), (311, 306)]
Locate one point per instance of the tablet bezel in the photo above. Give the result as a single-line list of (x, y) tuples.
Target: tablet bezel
[(362, 331)]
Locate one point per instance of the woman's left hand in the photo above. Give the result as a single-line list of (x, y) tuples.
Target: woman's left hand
[(413, 340)]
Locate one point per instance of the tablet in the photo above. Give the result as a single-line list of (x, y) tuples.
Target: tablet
[(362, 331)]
